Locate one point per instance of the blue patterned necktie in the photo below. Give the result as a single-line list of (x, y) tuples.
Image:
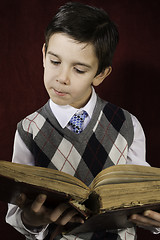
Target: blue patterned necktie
[(77, 121)]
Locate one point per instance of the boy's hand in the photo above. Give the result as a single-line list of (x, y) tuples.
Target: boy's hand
[(148, 219), (37, 215)]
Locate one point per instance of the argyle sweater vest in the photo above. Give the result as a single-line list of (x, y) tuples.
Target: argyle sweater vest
[(103, 143)]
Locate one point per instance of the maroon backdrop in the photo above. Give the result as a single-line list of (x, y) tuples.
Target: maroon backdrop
[(133, 83)]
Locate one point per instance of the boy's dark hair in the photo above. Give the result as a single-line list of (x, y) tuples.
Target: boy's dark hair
[(86, 24)]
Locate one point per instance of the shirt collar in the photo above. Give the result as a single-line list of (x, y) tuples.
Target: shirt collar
[(64, 113)]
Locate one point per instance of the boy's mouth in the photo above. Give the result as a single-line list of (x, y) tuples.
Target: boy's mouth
[(61, 94)]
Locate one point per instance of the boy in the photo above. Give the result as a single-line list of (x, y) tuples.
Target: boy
[(77, 55)]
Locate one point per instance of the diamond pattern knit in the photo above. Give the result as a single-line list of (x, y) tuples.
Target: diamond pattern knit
[(76, 122)]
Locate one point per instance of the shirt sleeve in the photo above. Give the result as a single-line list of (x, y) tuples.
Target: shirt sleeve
[(22, 155), (13, 218), (137, 150)]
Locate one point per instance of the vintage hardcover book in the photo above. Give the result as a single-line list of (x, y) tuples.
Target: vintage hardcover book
[(115, 193)]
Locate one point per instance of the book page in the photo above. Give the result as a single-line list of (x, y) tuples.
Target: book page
[(126, 173)]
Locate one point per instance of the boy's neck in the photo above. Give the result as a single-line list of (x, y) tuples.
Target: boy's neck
[(63, 113)]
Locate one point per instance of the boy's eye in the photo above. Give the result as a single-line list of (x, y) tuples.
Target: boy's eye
[(79, 71), (55, 62)]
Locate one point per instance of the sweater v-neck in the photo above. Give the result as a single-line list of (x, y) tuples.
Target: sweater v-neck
[(87, 132)]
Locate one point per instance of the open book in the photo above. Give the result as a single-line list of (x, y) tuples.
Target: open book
[(115, 193)]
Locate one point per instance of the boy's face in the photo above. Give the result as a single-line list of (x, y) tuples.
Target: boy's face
[(69, 70)]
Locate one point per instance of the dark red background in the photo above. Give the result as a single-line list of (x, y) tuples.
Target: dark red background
[(133, 84)]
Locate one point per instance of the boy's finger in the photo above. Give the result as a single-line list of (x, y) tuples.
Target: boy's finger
[(58, 212), (20, 200), (38, 202), (141, 220), (152, 214), (77, 219), (67, 217)]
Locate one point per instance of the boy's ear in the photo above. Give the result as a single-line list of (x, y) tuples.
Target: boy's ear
[(44, 54), (100, 77)]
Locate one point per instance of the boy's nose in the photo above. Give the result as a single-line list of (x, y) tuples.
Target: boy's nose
[(63, 76)]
